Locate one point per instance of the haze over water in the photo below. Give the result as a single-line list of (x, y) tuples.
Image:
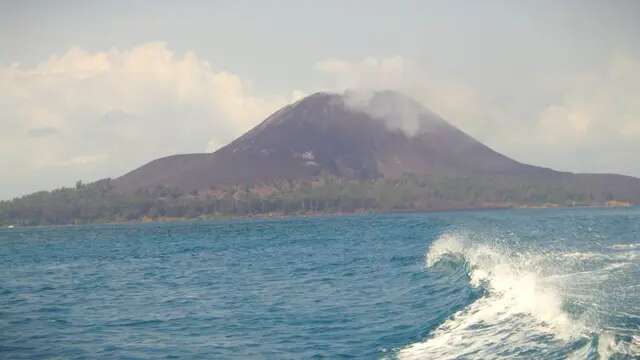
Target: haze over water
[(530, 284)]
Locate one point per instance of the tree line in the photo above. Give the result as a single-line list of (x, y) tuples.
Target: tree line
[(100, 202)]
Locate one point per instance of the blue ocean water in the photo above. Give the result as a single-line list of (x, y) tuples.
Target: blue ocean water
[(523, 284)]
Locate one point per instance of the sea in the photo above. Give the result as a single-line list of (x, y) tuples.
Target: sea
[(503, 284)]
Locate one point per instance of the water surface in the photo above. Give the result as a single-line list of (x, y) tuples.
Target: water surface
[(520, 284)]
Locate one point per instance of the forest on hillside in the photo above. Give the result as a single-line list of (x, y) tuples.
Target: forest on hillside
[(99, 202)]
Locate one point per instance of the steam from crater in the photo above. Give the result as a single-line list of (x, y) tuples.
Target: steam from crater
[(397, 111)]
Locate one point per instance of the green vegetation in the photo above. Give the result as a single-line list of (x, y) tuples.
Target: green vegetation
[(99, 202)]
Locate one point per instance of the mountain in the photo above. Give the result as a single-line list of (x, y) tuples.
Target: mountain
[(323, 133), (382, 135), (327, 153)]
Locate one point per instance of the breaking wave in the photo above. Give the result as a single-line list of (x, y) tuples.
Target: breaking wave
[(535, 303)]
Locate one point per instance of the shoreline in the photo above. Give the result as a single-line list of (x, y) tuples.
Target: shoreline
[(281, 216)]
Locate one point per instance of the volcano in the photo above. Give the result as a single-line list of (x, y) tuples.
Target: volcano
[(357, 137)]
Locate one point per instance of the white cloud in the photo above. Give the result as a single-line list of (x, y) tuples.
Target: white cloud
[(99, 114), (597, 120)]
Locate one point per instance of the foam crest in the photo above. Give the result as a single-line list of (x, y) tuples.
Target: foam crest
[(521, 304), (516, 280)]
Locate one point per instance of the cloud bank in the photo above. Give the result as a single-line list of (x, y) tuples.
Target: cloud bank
[(88, 115)]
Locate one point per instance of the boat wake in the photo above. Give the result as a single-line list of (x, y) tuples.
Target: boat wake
[(535, 304)]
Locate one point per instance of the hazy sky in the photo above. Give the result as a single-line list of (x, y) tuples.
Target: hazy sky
[(93, 89)]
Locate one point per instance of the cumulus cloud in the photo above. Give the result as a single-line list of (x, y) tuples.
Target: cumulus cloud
[(87, 115), (596, 120), (589, 122)]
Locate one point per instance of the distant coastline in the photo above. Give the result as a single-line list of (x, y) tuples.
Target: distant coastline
[(280, 215)]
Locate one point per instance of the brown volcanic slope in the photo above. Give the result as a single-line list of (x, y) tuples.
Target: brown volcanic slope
[(321, 134)]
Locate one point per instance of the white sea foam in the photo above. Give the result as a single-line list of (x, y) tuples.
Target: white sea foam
[(521, 304), (524, 303), (609, 345), (625, 246)]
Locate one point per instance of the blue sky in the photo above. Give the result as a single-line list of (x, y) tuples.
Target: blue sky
[(93, 89)]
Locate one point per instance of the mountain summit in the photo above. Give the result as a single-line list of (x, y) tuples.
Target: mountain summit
[(352, 136)]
